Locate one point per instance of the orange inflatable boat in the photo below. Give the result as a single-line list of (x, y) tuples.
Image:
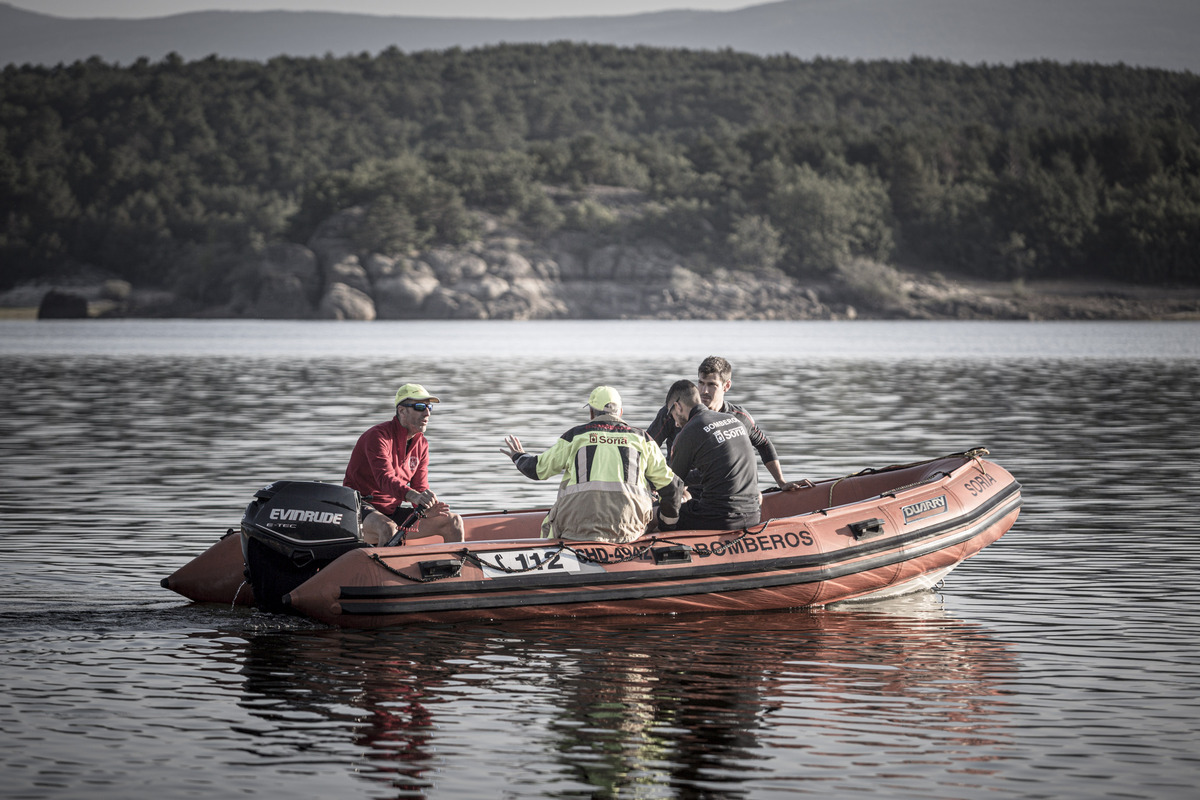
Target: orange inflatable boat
[(877, 533)]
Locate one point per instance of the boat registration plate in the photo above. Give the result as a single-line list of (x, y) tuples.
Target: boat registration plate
[(513, 563)]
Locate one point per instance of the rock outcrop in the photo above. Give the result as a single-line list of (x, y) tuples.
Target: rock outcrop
[(504, 276), (62, 305), (579, 275), (283, 285)]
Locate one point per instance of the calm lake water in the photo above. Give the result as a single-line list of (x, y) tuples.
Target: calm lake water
[(1062, 662)]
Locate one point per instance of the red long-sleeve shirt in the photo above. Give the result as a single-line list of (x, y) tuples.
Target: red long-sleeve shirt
[(385, 464)]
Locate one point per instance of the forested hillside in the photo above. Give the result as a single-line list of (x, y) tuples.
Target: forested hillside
[(171, 173)]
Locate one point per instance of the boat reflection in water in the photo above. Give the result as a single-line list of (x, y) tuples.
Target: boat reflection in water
[(690, 703)]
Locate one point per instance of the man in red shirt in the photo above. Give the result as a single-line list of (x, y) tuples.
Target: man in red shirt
[(390, 466)]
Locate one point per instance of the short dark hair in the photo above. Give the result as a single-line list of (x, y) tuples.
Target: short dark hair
[(685, 392), (715, 365)]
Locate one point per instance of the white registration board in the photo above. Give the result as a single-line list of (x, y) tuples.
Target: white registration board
[(525, 562)]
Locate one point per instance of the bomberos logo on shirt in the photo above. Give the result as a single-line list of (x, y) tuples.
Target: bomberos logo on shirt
[(725, 429), (413, 463), (924, 509)]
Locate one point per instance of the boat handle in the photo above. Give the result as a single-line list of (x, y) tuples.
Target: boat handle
[(675, 554), (443, 568), (866, 528)]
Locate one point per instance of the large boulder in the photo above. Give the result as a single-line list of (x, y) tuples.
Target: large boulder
[(290, 258), (379, 266), (451, 266), (403, 296), (57, 304), (116, 290), (448, 304), (284, 284), (528, 298), (344, 302), (547, 269), (485, 288), (284, 297), (350, 272), (508, 265)]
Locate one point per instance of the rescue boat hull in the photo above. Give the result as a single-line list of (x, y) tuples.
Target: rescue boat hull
[(874, 534)]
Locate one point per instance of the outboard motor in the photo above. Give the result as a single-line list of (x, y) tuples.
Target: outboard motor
[(292, 529)]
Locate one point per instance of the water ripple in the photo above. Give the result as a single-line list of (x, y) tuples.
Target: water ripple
[(1061, 661)]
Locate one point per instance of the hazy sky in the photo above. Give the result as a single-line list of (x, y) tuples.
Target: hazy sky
[(509, 9)]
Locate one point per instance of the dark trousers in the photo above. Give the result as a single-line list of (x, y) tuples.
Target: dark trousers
[(689, 521)]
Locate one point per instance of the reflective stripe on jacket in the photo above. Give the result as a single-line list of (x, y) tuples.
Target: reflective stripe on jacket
[(608, 469)]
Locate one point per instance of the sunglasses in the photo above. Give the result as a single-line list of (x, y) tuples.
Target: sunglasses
[(422, 407)]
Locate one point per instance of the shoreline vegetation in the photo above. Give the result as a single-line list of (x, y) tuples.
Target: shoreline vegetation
[(882, 293), (588, 181), (1053, 300)]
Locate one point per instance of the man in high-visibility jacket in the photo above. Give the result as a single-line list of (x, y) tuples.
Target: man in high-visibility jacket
[(608, 469)]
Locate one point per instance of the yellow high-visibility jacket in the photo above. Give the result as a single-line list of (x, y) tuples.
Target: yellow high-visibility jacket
[(608, 469)]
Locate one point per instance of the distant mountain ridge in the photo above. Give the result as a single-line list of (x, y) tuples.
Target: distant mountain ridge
[(1148, 33)]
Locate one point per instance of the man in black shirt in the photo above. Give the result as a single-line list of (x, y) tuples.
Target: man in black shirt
[(715, 448), (714, 379)]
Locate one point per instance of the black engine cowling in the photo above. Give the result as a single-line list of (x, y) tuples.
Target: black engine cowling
[(291, 530)]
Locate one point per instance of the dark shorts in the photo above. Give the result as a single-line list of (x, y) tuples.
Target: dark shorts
[(405, 517)]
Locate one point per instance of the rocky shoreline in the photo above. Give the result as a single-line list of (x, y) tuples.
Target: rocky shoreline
[(504, 275)]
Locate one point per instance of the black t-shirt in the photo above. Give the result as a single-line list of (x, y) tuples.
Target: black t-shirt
[(715, 447), (663, 431)]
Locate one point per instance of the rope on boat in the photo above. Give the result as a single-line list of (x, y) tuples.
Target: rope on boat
[(467, 555), (832, 486), (375, 557), (579, 554), (975, 454), (719, 549)]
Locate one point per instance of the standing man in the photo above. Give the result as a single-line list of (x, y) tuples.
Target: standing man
[(714, 448), (714, 378), (390, 466), (607, 470)]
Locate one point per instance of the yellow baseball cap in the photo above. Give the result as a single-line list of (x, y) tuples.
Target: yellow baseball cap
[(414, 391), (604, 398)]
